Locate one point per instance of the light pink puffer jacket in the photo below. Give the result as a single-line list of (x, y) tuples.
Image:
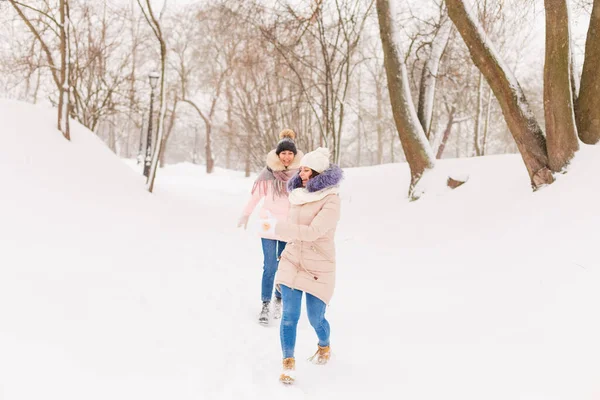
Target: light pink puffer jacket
[(308, 261)]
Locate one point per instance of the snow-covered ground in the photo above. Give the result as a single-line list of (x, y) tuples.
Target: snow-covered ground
[(108, 292)]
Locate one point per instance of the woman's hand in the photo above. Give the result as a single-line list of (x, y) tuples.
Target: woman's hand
[(243, 221)]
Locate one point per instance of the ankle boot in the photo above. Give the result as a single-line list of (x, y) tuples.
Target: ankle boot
[(322, 355), (288, 375)]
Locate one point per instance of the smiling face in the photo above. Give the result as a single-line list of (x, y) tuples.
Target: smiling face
[(305, 174), (286, 157)]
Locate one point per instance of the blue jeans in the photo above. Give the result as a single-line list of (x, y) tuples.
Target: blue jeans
[(272, 250), (315, 307)]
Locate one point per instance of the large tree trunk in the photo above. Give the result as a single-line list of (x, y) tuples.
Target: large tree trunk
[(412, 136), (561, 133), (588, 102), (519, 117), (429, 74)]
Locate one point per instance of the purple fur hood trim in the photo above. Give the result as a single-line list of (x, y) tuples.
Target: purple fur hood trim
[(332, 176)]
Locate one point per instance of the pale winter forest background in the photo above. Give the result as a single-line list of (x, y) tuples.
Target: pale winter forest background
[(233, 73)]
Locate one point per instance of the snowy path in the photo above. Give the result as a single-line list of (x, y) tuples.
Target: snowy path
[(441, 325), (173, 316), (107, 292)]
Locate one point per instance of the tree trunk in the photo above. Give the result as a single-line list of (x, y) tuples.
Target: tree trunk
[(210, 162), (195, 158), (519, 117), (37, 86), (247, 154), (412, 136), (359, 146), (229, 124), (486, 126), (112, 140), (446, 135), (64, 89), (379, 93), (429, 74), (358, 122), (168, 132), (588, 102), (561, 133), (159, 148), (132, 93), (478, 117)]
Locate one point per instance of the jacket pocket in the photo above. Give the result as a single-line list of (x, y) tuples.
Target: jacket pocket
[(316, 262), (314, 252)]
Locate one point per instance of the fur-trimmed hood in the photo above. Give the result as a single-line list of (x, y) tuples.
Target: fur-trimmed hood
[(331, 177), (275, 164)]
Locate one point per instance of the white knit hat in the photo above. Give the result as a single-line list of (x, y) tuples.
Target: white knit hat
[(317, 160)]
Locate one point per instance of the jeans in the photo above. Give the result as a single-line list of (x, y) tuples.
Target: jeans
[(272, 250), (315, 307)]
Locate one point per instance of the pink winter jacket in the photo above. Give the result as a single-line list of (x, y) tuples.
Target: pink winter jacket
[(308, 261), (278, 206)]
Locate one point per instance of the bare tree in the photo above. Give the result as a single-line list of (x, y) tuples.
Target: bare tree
[(207, 35), (65, 74), (60, 72), (172, 116), (414, 142), (480, 124), (99, 64), (520, 120), (323, 41), (587, 108), (155, 25), (429, 73), (561, 132)]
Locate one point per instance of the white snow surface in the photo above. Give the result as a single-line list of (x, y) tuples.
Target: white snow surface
[(488, 292)]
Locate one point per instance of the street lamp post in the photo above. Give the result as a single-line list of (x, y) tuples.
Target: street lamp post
[(153, 78)]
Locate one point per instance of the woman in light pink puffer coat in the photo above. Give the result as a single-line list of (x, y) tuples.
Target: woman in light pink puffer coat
[(308, 264)]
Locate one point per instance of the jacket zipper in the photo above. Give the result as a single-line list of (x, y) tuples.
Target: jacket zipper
[(317, 250)]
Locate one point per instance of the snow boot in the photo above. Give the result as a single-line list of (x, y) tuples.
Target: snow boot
[(322, 355), (288, 375), (263, 317), (277, 308)]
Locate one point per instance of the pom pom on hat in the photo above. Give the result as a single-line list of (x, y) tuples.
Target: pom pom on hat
[(317, 160), (287, 142), (287, 133)]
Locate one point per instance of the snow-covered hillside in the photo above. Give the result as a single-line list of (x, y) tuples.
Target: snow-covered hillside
[(108, 292)]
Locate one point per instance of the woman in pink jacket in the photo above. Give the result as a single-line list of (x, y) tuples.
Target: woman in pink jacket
[(308, 263), (282, 164)]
